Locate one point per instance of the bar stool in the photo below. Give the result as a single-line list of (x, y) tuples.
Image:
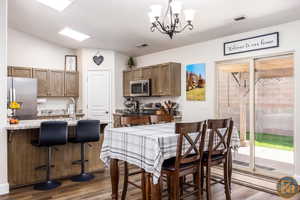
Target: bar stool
[(52, 133), (86, 131)]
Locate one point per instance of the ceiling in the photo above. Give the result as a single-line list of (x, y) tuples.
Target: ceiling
[(122, 24)]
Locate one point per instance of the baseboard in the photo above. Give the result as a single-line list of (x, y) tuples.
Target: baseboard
[(4, 188)]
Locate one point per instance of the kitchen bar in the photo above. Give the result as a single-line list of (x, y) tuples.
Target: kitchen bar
[(24, 158)]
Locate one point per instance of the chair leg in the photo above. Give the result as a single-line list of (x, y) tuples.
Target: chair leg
[(49, 184), (143, 181), (226, 180), (181, 182), (125, 185), (175, 187), (198, 184), (208, 184), (83, 176), (230, 168), (202, 179)]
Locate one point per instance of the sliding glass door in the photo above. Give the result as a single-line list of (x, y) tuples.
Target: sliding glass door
[(258, 95)]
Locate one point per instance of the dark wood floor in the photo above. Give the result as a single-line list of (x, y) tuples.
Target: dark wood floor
[(100, 189)]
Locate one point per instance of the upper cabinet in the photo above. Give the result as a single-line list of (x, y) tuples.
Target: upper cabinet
[(57, 82), (51, 83), (71, 84), (165, 79), (42, 76), (23, 72)]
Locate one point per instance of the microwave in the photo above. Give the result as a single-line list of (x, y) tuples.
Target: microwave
[(140, 88)]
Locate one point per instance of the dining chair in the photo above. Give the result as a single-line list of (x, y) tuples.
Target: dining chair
[(157, 119), (218, 152), (127, 121), (190, 147)]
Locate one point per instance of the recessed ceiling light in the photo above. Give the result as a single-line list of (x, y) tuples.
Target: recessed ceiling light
[(74, 34), (58, 5)]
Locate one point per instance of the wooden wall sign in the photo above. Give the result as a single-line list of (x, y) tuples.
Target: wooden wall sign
[(260, 42)]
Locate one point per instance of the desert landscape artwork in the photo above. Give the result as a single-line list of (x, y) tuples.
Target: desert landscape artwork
[(195, 82)]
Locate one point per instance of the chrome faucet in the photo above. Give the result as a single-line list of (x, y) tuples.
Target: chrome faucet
[(72, 108)]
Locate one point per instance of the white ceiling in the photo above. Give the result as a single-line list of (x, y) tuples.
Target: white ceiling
[(122, 24)]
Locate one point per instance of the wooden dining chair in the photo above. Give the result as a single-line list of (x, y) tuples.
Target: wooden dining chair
[(218, 153), (157, 119), (127, 121), (189, 152)]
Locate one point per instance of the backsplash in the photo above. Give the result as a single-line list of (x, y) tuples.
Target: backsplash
[(57, 105)]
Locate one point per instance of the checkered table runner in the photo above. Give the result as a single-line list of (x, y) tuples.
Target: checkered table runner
[(146, 146)]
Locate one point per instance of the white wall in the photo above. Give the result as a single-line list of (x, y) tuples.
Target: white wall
[(121, 61), (3, 72), (211, 51), (28, 51)]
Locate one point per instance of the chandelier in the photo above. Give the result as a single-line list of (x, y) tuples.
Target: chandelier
[(170, 23)]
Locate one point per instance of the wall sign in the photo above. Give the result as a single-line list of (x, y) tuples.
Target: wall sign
[(252, 44)]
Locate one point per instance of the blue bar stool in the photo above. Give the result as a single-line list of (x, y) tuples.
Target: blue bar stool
[(86, 131), (52, 133)]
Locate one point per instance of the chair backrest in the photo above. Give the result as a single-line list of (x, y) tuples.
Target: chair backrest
[(220, 131), (53, 133), (190, 145), (87, 131), (135, 120), (156, 119)]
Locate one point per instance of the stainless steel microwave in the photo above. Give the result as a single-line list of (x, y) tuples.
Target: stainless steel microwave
[(140, 88)]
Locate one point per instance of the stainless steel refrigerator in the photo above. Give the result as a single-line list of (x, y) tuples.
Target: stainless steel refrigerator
[(23, 91)]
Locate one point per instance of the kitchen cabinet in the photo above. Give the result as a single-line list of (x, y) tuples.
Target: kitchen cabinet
[(42, 76), (23, 72), (57, 82), (127, 77), (165, 79), (71, 84), (9, 71)]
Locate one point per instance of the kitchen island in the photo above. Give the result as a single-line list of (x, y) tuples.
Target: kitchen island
[(24, 158)]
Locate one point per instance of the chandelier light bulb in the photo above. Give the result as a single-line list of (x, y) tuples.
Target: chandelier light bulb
[(189, 14), (156, 10), (176, 7), (151, 17)]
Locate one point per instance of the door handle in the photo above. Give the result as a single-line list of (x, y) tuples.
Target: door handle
[(106, 112)]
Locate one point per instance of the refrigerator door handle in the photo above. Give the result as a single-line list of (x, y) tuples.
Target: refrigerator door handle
[(10, 94), (14, 95)]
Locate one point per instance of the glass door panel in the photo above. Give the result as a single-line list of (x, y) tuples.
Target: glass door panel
[(274, 105), (233, 102)]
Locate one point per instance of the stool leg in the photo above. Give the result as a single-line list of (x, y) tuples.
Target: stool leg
[(49, 184), (83, 176)]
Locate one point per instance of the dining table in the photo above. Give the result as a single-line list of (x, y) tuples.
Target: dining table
[(147, 147)]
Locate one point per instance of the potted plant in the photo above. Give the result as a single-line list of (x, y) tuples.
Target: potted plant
[(131, 62)]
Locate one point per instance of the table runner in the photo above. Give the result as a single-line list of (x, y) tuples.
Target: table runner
[(146, 146)]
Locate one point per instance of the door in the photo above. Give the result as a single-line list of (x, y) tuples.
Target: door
[(57, 83), (99, 95), (42, 81), (258, 94), (71, 84)]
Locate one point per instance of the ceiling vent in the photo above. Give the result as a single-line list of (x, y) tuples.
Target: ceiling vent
[(239, 18), (142, 45)]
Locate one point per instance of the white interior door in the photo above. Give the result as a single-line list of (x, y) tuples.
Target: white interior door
[(99, 95)]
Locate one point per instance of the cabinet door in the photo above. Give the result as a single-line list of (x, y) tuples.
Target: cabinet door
[(9, 71), (127, 77), (57, 83), (23, 72), (146, 73), (165, 80), (155, 81), (42, 77), (137, 74), (71, 84)]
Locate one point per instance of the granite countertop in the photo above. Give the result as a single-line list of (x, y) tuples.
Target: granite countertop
[(33, 124)]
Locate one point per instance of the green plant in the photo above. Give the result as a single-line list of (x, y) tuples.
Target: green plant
[(131, 62)]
